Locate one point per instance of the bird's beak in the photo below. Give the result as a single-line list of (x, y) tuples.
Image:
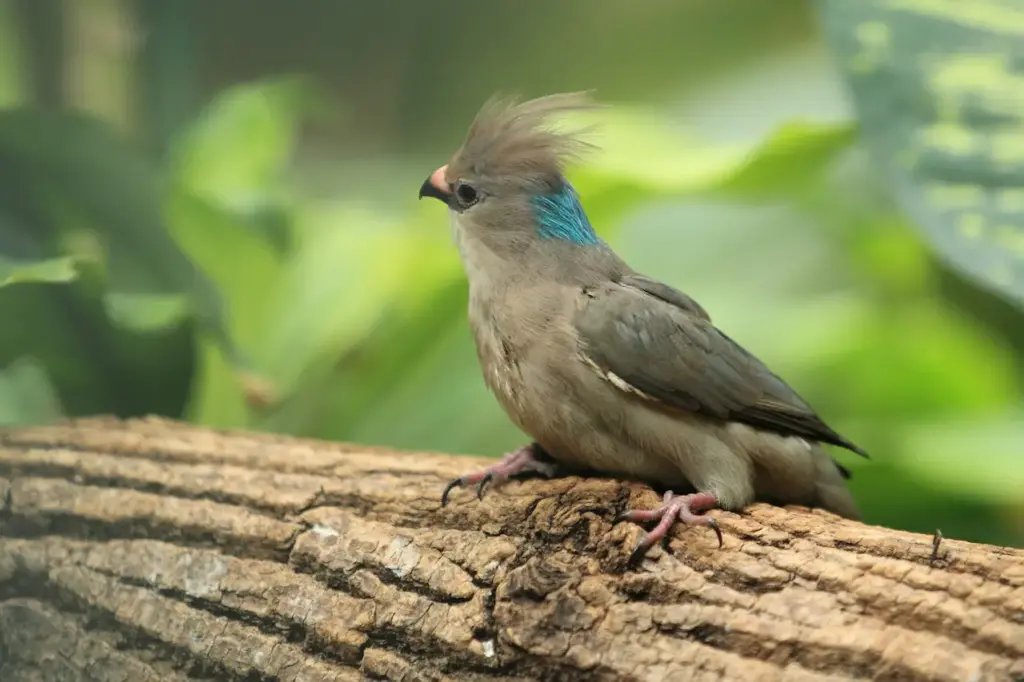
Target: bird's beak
[(436, 186)]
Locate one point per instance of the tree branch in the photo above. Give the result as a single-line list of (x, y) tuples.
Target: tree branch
[(153, 550)]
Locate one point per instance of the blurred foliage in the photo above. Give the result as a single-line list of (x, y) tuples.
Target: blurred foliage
[(46, 270), (212, 283), (939, 91), (26, 397)]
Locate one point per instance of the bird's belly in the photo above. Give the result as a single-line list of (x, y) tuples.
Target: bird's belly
[(547, 404)]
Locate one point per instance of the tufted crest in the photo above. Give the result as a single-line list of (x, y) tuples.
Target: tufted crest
[(516, 140)]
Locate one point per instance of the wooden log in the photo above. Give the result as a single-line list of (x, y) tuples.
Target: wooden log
[(153, 550)]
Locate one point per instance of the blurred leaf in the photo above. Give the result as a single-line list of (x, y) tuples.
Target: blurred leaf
[(899, 263), (636, 143), (231, 198), (51, 206), (237, 148), (245, 270), (74, 175), (50, 270), (234, 154), (376, 369), (83, 174), (339, 284), (439, 403), (792, 161), (13, 74), (242, 265), (95, 366), (145, 311), (26, 396), (938, 88), (794, 156)]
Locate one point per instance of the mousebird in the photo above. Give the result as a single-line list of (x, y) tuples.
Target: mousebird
[(606, 369)]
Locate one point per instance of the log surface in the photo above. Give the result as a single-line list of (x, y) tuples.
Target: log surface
[(152, 550)]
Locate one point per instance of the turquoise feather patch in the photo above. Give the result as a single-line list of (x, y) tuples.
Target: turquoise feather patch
[(561, 216)]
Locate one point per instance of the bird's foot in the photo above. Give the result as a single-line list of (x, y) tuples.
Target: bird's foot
[(526, 458), (673, 507)]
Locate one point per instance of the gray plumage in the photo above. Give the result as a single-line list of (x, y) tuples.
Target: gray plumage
[(604, 368)]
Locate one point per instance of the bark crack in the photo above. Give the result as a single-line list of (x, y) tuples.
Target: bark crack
[(156, 550)]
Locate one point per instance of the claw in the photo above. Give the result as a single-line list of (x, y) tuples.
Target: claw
[(488, 477), (527, 458), (718, 531), (452, 484), (638, 551)]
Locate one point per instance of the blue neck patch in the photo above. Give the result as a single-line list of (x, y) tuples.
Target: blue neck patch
[(560, 216)]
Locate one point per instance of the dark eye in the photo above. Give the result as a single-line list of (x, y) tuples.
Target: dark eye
[(466, 195)]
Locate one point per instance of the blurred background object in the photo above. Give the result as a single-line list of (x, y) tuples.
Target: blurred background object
[(208, 211)]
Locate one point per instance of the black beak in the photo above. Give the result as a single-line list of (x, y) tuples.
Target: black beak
[(428, 189)]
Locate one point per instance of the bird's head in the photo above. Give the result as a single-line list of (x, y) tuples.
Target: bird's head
[(506, 185)]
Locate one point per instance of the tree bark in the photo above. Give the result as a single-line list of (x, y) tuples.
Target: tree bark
[(153, 550)]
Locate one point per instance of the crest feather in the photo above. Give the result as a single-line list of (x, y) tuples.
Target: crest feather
[(513, 139)]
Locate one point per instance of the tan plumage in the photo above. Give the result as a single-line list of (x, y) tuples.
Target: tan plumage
[(604, 368)]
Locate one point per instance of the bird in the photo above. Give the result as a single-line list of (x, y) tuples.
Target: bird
[(606, 369)]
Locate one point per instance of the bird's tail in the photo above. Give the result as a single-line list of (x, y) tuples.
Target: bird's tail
[(832, 493)]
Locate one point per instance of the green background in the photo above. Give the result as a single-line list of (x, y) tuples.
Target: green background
[(208, 211)]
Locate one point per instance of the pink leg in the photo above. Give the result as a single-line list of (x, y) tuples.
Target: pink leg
[(526, 458), (672, 508)]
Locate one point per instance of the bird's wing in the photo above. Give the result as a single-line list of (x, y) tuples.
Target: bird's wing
[(653, 341), (666, 293)]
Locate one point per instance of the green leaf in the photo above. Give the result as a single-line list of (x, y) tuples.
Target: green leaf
[(793, 161), (145, 311), (95, 366), (82, 176), (26, 396), (637, 144), (49, 270), (938, 86), (236, 152), (341, 283), (792, 157), (244, 139), (73, 180), (245, 270), (439, 388)]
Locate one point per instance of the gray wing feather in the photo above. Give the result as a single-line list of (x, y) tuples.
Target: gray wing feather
[(655, 341), (666, 293)]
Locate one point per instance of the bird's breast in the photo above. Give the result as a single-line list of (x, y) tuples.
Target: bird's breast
[(526, 351), (500, 351)]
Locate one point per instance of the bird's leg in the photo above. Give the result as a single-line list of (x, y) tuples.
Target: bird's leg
[(672, 508), (527, 458)]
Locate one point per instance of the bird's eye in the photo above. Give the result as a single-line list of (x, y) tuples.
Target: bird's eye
[(466, 194)]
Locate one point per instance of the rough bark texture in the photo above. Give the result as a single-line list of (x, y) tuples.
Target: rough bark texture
[(150, 550)]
